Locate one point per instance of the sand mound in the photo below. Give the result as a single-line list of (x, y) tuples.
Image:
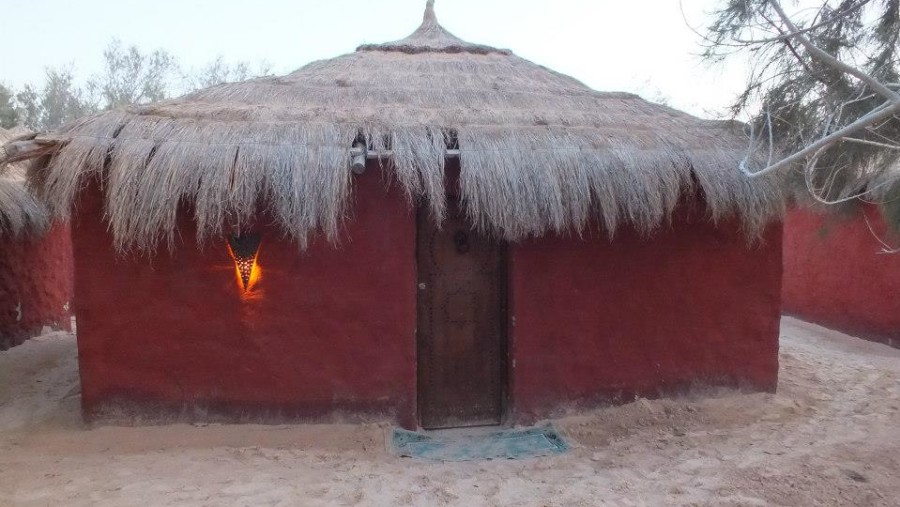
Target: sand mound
[(829, 437)]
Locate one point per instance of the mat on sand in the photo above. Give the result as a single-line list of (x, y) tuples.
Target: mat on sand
[(479, 444)]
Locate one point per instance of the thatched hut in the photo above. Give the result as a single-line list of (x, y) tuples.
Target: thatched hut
[(35, 261), (434, 231)]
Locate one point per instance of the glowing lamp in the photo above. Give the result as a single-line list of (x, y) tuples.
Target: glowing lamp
[(244, 248)]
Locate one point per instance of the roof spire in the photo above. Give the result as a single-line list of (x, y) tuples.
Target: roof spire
[(431, 37), (429, 13)]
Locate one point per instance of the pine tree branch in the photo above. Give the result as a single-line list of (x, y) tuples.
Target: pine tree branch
[(882, 112), (827, 59), (786, 35), (872, 143)]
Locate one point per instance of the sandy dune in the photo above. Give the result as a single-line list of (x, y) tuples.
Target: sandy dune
[(831, 436)]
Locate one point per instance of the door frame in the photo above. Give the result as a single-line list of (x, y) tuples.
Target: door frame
[(506, 321)]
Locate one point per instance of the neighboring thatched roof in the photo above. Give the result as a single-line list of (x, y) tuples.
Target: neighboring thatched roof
[(539, 151), (20, 212)]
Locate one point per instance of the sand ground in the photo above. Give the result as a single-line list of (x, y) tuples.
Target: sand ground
[(830, 436)]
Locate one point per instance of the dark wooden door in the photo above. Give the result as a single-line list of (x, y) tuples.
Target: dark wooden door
[(461, 324)]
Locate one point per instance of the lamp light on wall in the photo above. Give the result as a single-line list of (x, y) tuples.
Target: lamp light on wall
[(244, 248)]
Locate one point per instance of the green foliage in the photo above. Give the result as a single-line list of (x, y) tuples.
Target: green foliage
[(799, 99), (219, 71), (130, 76), (890, 207), (8, 115), (58, 102)]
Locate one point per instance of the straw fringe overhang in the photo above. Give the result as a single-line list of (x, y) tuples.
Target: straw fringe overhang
[(20, 212), (539, 151)]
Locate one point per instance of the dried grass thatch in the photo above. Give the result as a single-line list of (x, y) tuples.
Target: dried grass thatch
[(539, 151), (20, 212)]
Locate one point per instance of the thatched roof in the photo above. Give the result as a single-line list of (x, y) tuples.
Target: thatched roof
[(20, 212), (539, 151)]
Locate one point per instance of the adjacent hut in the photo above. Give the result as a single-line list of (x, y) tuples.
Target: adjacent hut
[(839, 271), (35, 261), (430, 231)]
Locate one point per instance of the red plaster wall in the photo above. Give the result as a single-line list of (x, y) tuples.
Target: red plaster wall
[(592, 321), (596, 321), (324, 332), (834, 274), (35, 284)]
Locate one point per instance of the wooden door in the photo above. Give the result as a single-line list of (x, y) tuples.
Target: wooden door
[(461, 324)]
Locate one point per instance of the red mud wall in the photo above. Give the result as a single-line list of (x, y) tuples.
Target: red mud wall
[(35, 284), (834, 275), (596, 321), (323, 332), (332, 330)]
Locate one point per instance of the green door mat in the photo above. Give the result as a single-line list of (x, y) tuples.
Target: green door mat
[(495, 444)]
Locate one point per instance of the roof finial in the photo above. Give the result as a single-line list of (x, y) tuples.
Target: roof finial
[(431, 37), (429, 13)]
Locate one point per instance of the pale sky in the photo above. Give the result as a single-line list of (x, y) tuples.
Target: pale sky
[(641, 46)]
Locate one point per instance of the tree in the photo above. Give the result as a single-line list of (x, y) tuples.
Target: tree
[(62, 101), (57, 103), (219, 71), (28, 107), (130, 76), (822, 94), (8, 116), (133, 77)]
